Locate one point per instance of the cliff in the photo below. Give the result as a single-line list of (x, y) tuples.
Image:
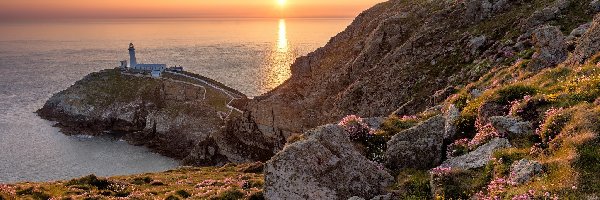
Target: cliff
[(404, 56), (179, 115)]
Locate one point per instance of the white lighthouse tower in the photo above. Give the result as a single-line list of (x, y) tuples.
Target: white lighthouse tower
[(132, 60)]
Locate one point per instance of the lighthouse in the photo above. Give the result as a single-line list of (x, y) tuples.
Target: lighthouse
[(133, 61)]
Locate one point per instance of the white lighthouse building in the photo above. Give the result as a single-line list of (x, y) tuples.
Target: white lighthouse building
[(155, 69)]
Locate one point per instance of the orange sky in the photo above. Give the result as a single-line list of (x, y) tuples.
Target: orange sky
[(33, 9)]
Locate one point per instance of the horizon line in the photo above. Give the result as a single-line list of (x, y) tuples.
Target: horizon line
[(199, 17)]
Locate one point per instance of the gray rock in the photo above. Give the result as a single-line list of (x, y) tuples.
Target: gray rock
[(418, 147), (551, 49), (475, 93), (355, 198), (388, 196), (580, 30), (324, 166), (451, 115), (477, 158), (588, 44), (476, 43), (548, 13), (511, 126), (524, 170), (595, 6), (374, 122)]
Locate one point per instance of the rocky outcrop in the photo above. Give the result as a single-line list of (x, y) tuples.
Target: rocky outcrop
[(478, 157), (511, 127), (550, 47), (548, 13), (175, 118), (489, 109), (452, 115), (588, 44), (324, 166), (524, 170), (418, 147)]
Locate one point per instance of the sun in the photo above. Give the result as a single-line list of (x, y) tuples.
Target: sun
[(281, 2)]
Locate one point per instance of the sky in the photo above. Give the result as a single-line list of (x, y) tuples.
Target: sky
[(72, 9)]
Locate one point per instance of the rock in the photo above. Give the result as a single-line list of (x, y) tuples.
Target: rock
[(511, 126), (580, 30), (477, 158), (476, 43), (595, 6), (418, 147), (546, 14), (355, 198), (374, 122), (388, 196), (475, 93), (588, 44), (524, 170), (489, 109), (324, 166), (550, 47), (451, 115)]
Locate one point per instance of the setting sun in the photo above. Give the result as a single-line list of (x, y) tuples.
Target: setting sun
[(281, 2)]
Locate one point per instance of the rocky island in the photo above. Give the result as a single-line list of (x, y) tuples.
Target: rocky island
[(482, 99)]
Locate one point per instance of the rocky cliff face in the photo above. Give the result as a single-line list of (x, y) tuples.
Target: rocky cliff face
[(173, 116), (407, 55)]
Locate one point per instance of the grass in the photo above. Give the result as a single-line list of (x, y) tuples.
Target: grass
[(228, 182)]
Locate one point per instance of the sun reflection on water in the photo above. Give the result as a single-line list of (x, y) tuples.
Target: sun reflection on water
[(280, 59)]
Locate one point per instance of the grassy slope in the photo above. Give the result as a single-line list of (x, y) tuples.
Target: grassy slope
[(228, 182)]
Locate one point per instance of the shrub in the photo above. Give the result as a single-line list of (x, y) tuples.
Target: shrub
[(257, 196), (588, 165), (36, 195), (171, 197), (355, 127), (141, 180), (358, 131), (554, 122), (513, 92), (375, 147), (485, 133), (414, 184), (231, 194), (459, 147), (394, 124), (526, 54), (183, 193), (456, 183), (91, 180)]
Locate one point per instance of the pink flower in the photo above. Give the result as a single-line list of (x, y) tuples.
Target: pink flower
[(439, 171), (355, 127)]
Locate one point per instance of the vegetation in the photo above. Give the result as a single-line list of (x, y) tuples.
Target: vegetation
[(228, 182)]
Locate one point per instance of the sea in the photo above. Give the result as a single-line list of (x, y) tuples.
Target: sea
[(39, 59)]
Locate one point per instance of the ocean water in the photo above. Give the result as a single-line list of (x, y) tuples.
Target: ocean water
[(39, 59)]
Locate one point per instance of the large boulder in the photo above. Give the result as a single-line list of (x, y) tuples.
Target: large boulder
[(324, 166), (477, 158), (588, 44), (418, 147), (511, 126), (524, 170), (550, 45), (452, 115)]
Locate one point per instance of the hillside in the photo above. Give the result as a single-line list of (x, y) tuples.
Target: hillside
[(473, 99)]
